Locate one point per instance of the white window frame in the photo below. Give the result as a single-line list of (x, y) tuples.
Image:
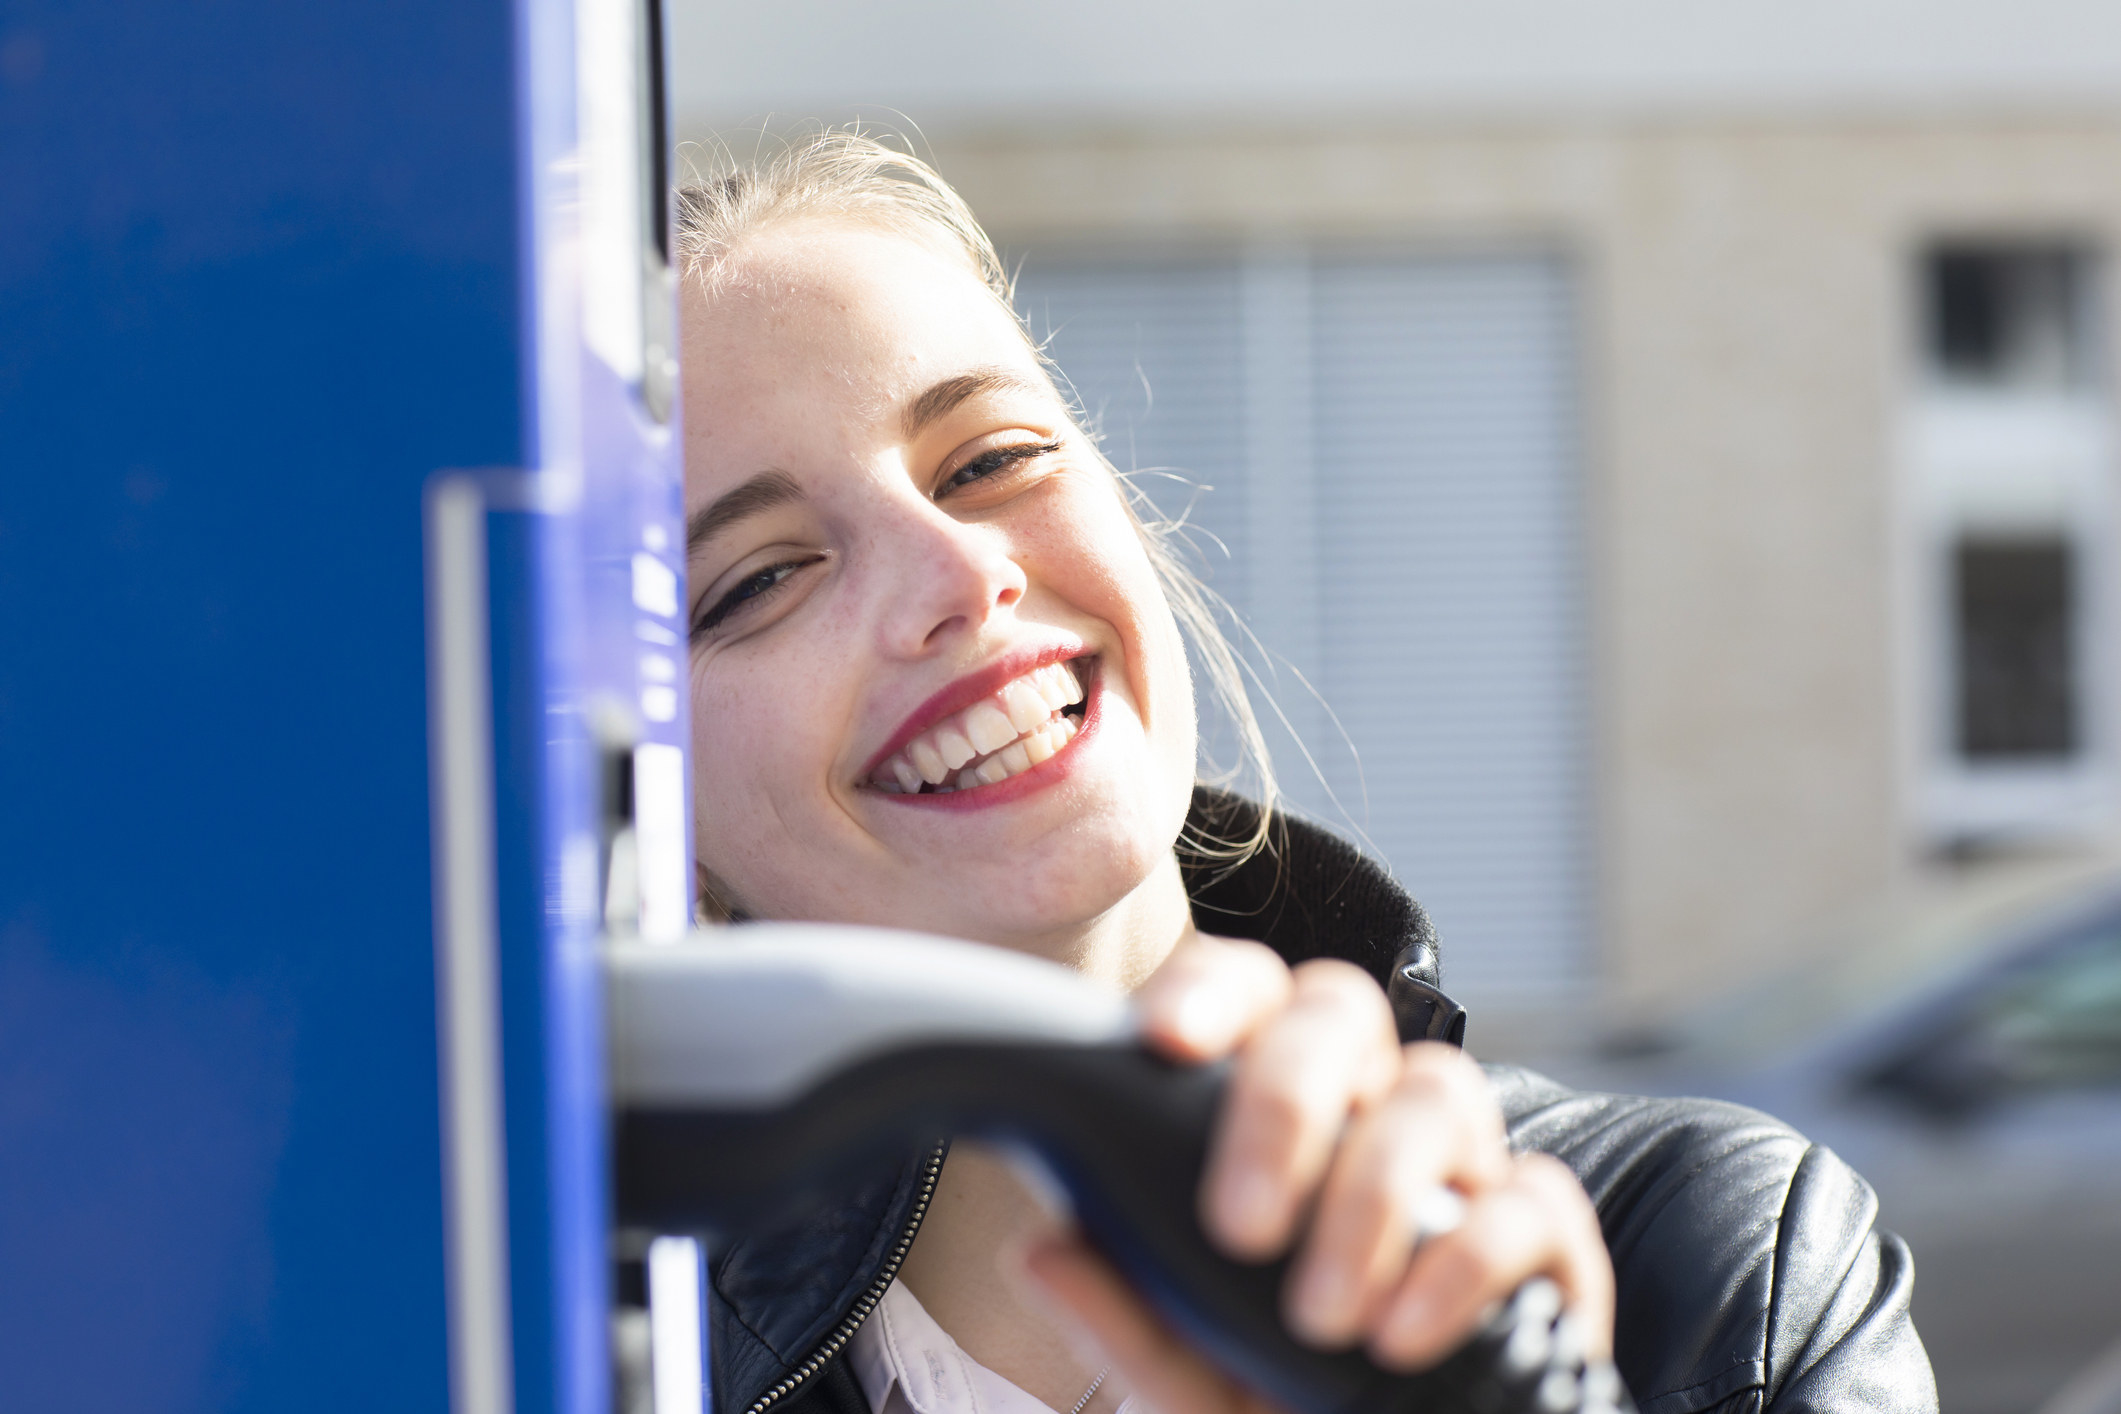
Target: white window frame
[(2003, 464)]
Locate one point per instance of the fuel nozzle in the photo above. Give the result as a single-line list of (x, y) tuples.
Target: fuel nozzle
[(763, 1068)]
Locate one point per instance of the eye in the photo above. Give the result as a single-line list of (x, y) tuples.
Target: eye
[(747, 591), (994, 461)]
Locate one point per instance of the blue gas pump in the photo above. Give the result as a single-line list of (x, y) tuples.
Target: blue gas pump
[(338, 528)]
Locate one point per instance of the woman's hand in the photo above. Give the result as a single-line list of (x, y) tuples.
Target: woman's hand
[(1335, 1140)]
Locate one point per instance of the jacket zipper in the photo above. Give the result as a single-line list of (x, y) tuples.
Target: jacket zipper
[(852, 1322)]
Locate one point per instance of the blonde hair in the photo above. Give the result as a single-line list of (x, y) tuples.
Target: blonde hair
[(846, 173)]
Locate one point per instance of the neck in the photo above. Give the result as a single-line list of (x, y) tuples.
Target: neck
[(982, 1211), (1127, 942), (959, 1269)]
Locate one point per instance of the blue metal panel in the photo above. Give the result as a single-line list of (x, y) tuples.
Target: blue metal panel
[(264, 270)]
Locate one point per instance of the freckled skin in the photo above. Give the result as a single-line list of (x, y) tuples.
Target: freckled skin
[(804, 359)]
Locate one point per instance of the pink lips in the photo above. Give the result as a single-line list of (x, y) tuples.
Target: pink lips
[(1044, 774), (970, 689)]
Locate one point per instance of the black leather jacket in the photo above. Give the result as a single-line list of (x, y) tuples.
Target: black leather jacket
[(1750, 1276)]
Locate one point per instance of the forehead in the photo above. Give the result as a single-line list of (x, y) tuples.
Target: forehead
[(819, 336)]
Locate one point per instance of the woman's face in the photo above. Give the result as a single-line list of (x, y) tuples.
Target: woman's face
[(906, 564)]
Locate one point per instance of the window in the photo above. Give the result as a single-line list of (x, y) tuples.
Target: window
[(1390, 441), (2017, 688), (2004, 316), (2010, 515)]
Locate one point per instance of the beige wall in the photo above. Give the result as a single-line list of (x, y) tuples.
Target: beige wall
[(1748, 327)]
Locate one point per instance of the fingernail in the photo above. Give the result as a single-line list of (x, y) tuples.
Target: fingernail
[(1406, 1329), (1251, 1205), (1323, 1299)]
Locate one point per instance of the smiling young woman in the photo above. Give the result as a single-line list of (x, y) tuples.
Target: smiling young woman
[(896, 526), (939, 682)]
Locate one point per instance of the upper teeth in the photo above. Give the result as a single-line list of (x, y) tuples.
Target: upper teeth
[(995, 738)]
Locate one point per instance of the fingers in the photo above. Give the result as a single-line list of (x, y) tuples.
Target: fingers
[(1330, 1051), (1537, 1221), (1437, 1129), (1209, 995), (1326, 1117), (1163, 1372)]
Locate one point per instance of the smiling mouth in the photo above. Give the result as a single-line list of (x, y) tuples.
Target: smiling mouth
[(1005, 734)]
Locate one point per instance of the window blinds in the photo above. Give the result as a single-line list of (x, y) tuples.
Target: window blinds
[(1392, 447)]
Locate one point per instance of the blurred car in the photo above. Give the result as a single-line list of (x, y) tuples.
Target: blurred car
[(2095, 1390), (1966, 1059)]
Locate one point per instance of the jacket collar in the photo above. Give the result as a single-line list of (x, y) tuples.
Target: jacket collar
[(1309, 893)]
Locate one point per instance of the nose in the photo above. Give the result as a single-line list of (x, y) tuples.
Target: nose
[(946, 577)]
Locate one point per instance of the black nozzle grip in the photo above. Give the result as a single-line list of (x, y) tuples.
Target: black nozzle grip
[(1125, 1134)]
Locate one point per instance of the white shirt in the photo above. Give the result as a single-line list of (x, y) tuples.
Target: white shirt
[(907, 1364)]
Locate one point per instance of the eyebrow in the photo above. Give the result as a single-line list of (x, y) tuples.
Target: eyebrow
[(761, 493), (775, 487), (944, 397)]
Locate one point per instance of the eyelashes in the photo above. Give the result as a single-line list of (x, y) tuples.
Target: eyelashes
[(997, 459), (762, 584), (753, 588)]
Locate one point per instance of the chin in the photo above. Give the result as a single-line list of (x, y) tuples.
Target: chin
[(1043, 877), (1070, 885)]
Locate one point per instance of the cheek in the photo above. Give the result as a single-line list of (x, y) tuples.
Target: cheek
[(756, 741), (1092, 556)]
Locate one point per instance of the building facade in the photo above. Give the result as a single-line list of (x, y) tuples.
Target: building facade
[(1754, 537), (1669, 526)]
